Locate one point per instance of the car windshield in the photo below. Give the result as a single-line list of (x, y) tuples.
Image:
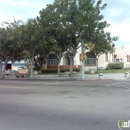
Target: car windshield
[(21, 67)]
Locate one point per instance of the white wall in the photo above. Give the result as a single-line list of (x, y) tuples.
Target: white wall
[(122, 53), (101, 61)]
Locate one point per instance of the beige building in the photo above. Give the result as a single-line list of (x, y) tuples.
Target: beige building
[(91, 61), (122, 54)]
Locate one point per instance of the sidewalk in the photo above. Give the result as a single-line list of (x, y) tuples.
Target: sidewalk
[(110, 76)]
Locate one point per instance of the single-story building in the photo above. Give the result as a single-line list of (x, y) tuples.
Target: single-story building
[(91, 61), (121, 54)]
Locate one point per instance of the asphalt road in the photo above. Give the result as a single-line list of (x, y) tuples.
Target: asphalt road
[(63, 105)]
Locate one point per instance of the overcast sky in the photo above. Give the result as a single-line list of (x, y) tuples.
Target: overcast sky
[(117, 13)]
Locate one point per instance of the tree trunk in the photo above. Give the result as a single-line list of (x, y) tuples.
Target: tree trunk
[(3, 70), (28, 64), (31, 62), (97, 66), (71, 66), (36, 64), (58, 66)]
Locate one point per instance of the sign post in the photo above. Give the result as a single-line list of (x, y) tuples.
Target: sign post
[(83, 58)]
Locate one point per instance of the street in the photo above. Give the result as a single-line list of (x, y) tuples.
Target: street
[(63, 105)]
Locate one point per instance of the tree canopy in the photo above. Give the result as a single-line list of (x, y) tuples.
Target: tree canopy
[(60, 27)]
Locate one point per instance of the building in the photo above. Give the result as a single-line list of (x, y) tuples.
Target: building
[(122, 54), (91, 61)]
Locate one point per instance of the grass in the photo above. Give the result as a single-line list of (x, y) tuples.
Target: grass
[(103, 71), (112, 71)]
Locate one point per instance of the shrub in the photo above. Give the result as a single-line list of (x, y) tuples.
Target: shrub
[(48, 71), (55, 70), (118, 65), (76, 69), (38, 68)]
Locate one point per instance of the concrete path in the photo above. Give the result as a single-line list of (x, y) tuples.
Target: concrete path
[(110, 76)]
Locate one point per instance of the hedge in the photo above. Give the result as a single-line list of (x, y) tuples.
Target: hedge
[(38, 68), (117, 65), (55, 71)]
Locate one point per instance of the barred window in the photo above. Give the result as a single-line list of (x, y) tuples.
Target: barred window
[(91, 60), (52, 60)]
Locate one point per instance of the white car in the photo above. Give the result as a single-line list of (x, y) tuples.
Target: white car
[(18, 68)]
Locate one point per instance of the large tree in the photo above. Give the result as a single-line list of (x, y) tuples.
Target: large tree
[(9, 51), (52, 30), (102, 43), (80, 19), (29, 39)]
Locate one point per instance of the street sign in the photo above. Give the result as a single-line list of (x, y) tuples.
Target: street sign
[(83, 57)]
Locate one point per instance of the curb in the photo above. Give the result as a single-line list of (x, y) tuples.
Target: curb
[(58, 80)]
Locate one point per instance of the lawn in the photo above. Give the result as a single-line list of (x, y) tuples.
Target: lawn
[(103, 71), (113, 71)]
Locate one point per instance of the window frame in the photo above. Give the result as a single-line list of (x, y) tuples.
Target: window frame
[(91, 60), (52, 60)]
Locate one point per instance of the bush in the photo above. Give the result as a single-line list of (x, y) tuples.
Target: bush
[(76, 69), (55, 71), (48, 71), (38, 68), (118, 65)]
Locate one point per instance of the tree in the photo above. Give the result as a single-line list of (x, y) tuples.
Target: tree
[(102, 43), (9, 51), (52, 30), (80, 19), (59, 52), (29, 39), (74, 21)]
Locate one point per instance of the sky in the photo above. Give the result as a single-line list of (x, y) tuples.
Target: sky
[(117, 14)]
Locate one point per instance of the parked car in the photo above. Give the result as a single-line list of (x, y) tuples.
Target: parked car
[(22, 72), (19, 67)]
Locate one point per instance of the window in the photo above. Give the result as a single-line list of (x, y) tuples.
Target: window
[(91, 60), (117, 60), (52, 60)]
